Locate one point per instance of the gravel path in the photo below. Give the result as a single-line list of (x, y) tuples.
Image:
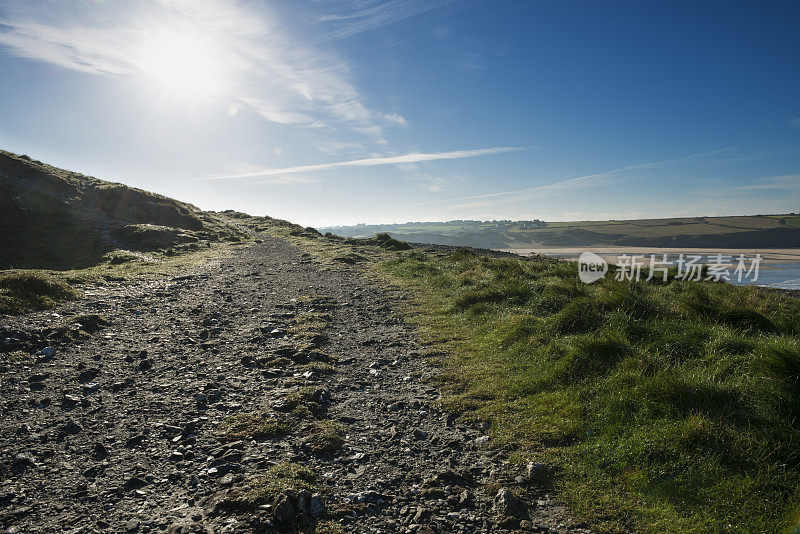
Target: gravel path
[(121, 427)]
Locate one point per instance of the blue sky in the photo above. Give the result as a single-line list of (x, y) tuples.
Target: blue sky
[(337, 112)]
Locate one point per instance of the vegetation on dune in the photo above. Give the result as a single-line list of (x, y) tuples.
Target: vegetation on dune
[(665, 407)]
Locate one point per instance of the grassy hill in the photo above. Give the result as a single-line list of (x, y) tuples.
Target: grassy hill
[(757, 231), (51, 218)]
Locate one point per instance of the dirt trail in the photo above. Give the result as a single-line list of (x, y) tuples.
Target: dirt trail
[(123, 430)]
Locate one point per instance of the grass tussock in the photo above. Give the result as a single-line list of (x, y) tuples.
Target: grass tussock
[(325, 437), (307, 401), (386, 241), (27, 291), (667, 407), (277, 479), (255, 425)]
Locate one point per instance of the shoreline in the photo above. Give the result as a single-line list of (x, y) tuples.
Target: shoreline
[(768, 255)]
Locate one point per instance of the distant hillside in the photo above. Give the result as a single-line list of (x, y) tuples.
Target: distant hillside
[(757, 231), (56, 219)]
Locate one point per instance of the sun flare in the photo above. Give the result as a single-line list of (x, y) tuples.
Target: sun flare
[(183, 63)]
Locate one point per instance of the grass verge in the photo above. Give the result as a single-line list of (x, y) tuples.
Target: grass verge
[(670, 407)]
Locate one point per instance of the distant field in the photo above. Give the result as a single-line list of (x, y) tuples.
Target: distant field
[(757, 231)]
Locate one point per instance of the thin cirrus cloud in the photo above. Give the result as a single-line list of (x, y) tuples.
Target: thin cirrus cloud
[(307, 84), (351, 18), (415, 157), (579, 181), (787, 182)]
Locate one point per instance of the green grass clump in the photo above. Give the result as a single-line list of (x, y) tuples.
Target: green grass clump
[(307, 401), (386, 241), (321, 368), (325, 437), (116, 257), (255, 425), (328, 527), (276, 479), (27, 291), (667, 407)]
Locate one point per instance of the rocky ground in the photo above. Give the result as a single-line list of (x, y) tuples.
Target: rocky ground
[(264, 392)]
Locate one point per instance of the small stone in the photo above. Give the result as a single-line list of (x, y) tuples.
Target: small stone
[(284, 511), (134, 483), (70, 401), (88, 374), (134, 441), (47, 352), (536, 473), (316, 506), (481, 441), (100, 451), (421, 515), (24, 460), (507, 504), (420, 434), (70, 428), (303, 501), (145, 365)]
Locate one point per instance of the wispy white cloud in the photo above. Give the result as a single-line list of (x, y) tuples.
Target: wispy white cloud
[(415, 157), (788, 182), (348, 18), (293, 179), (424, 180), (579, 181), (278, 75), (396, 118)]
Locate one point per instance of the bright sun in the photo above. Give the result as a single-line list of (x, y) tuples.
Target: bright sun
[(183, 63)]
